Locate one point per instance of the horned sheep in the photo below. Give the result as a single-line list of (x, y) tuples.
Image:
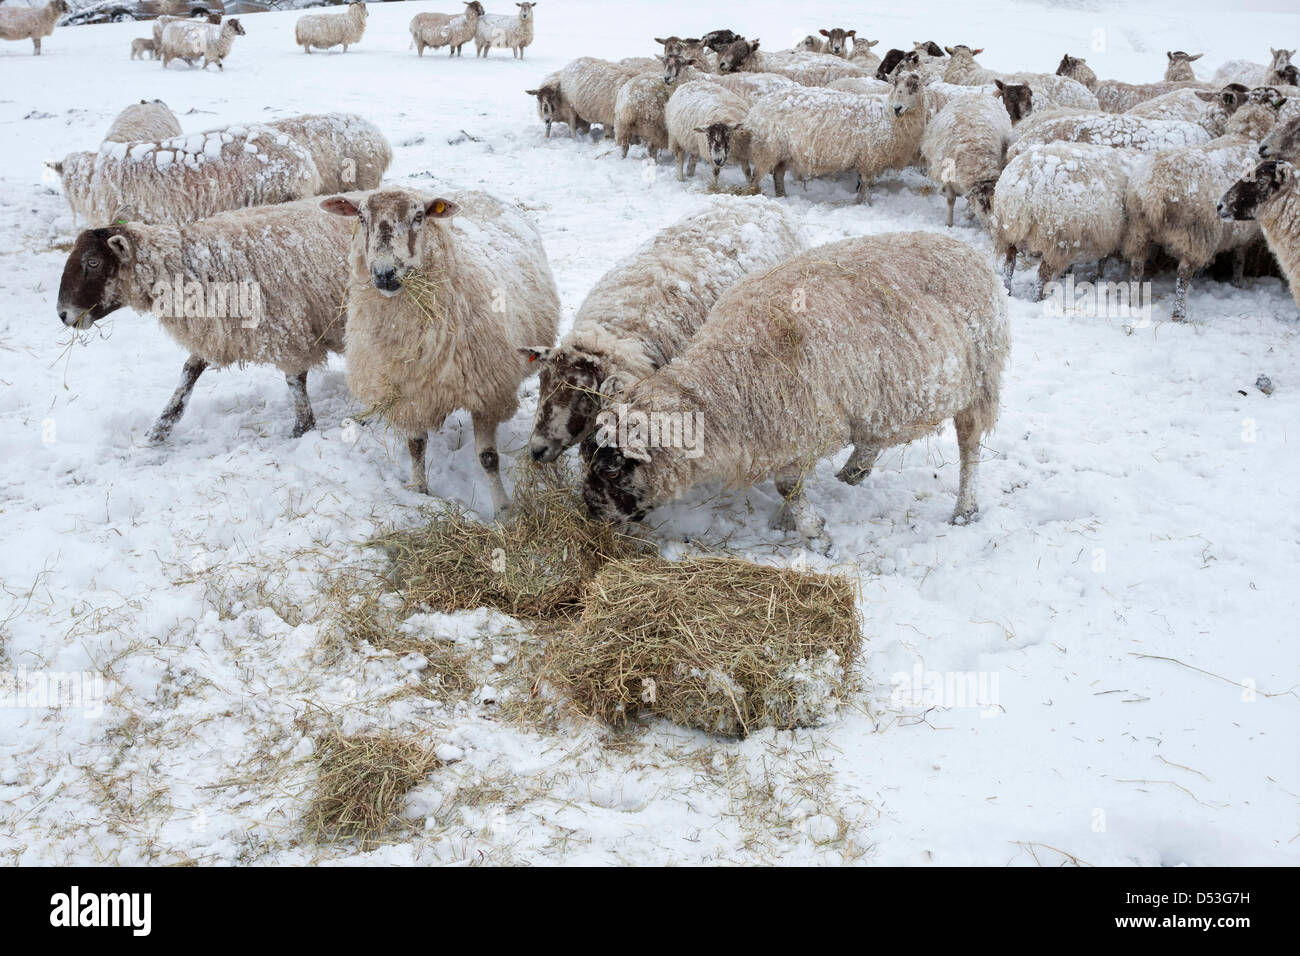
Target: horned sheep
[(436, 30), (443, 294), (809, 357), (324, 30), (497, 30), (1271, 197), (31, 23), (143, 121)]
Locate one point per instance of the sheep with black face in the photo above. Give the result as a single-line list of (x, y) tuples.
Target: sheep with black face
[(1271, 197)]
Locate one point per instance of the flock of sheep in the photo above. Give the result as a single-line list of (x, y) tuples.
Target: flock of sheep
[(786, 353)]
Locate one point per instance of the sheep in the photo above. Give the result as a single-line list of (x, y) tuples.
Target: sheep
[(1283, 142), (1017, 98), (690, 48), (1255, 74), (591, 85), (644, 310), (1174, 197), (1050, 89), (143, 121), (219, 42), (1064, 202), (717, 40), (349, 151), (31, 23), (1114, 96), (160, 22), (1208, 109), (837, 42), (705, 119), (820, 132), (142, 45), (260, 285), (750, 86), (963, 148), (434, 30), (554, 107), (809, 69), (496, 30), (1270, 196), (187, 40), (1077, 69), (639, 113), (897, 61), (454, 340), (324, 30), (1108, 129), (804, 359), (809, 44), (1180, 65), (861, 55), (188, 177)]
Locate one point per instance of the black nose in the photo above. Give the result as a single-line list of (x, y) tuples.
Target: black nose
[(63, 316), (539, 454), (385, 280)]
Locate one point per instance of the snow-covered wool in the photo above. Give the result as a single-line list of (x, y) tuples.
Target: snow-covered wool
[(871, 342), (554, 107), (704, 119), (1077, 68), (862, 85), (1283, 142), (644, 310), (963, 148), (591, 86), (809, 44), (1208, 109), (324, 30), (501, 31), (862, 56), (1114, 96), (160, 22), (933, 61), (1064, 202), (189, 40), (1173, 199), (453, 341), (820, 132), (260, 286), (1122, 130), (750, 86), (452, 30), (142, 45), (1251, 74), (639, 113), (349, 151), (188, 177), (141, 121), (810, 69), (1271, 197), (31, 23), (1050, 89), (1180, 65)]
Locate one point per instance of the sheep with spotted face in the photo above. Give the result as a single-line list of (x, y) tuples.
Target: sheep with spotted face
[(143, 121), (705, 119), (443, 294), (644, 311), (31, 23), (258, 286), (1180, 65), (325, 30), (436, 30), (1270, 196), (500, 31), (870, 342)]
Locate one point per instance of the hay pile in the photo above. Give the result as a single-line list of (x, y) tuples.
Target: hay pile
[(720, 644)]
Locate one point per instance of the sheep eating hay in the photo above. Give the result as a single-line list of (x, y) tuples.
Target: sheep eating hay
[(324, 30), (31, 23)]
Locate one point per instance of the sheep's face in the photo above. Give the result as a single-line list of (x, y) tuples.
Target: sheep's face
[(1067, 66), (837, 41), (570, 388), (674, 63), (809, 44), (91, 285), (718, 136), (359, 8), (394, 226), (1258, 114), (548, 102), (614, 486), (235, 27), (525, 10), (1281, 59), (734, 55), (908, 94), (1283, 142), (1243, 199), (475, 8), (1229, 99), (1018, 98)]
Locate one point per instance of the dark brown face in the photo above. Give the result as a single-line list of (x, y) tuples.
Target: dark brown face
[(734, 54), (88, 290), (568, 401), (716, 40), (980, 196), (929, 48), (1065, 66), (1283, 142), (1018, 99), (1244, 198), (548, 102), (887, 65), (608, 487), (718, 136)]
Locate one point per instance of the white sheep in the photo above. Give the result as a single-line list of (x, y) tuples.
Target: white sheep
[(1077, 68), (1050, 89), (1173, 199), (861, 55), (1115, 96), (31, 23), (1180, 65), (256, 286), (143, 121), (349, 151), (1122, 130), (160, 22), (187, 40), (188, 177), (554, 107), (837, 43), (495, 30), (591, 86), (1270, 196), (443, 295), (809, 69), (435, 30), (964, 148), (142, 45), (809, 44), (645, 309), (872, 342), (324, 30), (639, 113), (1251, 75), (1208, 109), (705, 119), (820, 132)]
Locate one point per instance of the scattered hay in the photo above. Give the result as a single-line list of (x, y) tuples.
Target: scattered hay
[(427, 291), (363, 780), (733, 189), (719, 644)]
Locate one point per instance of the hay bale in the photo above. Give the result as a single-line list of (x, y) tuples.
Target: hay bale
[(720, 644)]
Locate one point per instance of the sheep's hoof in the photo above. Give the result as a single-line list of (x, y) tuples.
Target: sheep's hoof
[(302, 428), (157, 435), (782, 520), (821, 544), (419, 487), (852, 476), (965, 516)]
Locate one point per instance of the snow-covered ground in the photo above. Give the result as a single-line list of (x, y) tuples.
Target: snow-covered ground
[(1125, 611)]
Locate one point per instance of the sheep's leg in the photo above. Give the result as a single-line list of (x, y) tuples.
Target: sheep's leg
[(951, 195), (859, 465), (1181, 284), (864, 188), (681, 158), (778, 181), (36, 42), (485, 442), (1008, 266), (626, 144), (1239, 266), (968, 443), (690, 165), (416, 443), (1101, 268), (1046, 273), (797, 510), (193, 368), (304, 420)]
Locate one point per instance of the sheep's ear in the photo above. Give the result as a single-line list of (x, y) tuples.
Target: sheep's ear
[(871, 43), (851, 33), (1209, 95), (977, 52), (753, 46), (340, 206), (441, 209), (1197, 57), (1000, 85), (1170, 55), (120, 246), (532, 92), (661, 41), (536, 353), (57, 166), (824, 33), (949, 50), (700, 129)]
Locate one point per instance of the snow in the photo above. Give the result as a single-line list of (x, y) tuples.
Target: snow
[(1128, 596)]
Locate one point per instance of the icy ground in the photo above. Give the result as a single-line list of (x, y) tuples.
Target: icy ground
[(1125, 612)]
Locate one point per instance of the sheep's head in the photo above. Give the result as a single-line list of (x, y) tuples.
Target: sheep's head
[(809, 44), (928, 47), (91, 285), (60, 5), (1281, 58), (1230, 98), (719, 137), (716, 40), (359, 8), (837, 40), (474, 7), (525, 10), (233, 26), (1283, 142), (962, 51), (572, 387), (1243, 199), (674, 63), (734, 54), (896, 62), (980, 198), (548, 102), (614, 486), (1289, 75), (1180, 65), (908, 94), (1018, 98), (1068, 65), (394, 229), (1258, 114)]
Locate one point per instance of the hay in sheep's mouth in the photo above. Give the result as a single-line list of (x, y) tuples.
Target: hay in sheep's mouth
[(427, 291)]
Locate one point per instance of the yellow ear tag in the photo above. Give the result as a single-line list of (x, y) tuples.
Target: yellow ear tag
[(439, 207)]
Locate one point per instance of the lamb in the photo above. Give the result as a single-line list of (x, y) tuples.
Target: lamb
[(324, 30), (31, 23), (142, 45), (1108, 129), (554, 107), (644, 310), (495, 30), (143, 121), (417, 351), (1077, 69), (1271, 197), (705, 119), (1180, 65), (1283, 142), (1114, 96), (1209, 110), (861, 55), (349, 151), (820, 132), (188, 177), (1064, 202), (1174, 197), (435, 30), (260, 285), (800, 361), (187, 40), (1050, 89), (963, 149), (639, 113), (1255, 74), (591, 86)]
